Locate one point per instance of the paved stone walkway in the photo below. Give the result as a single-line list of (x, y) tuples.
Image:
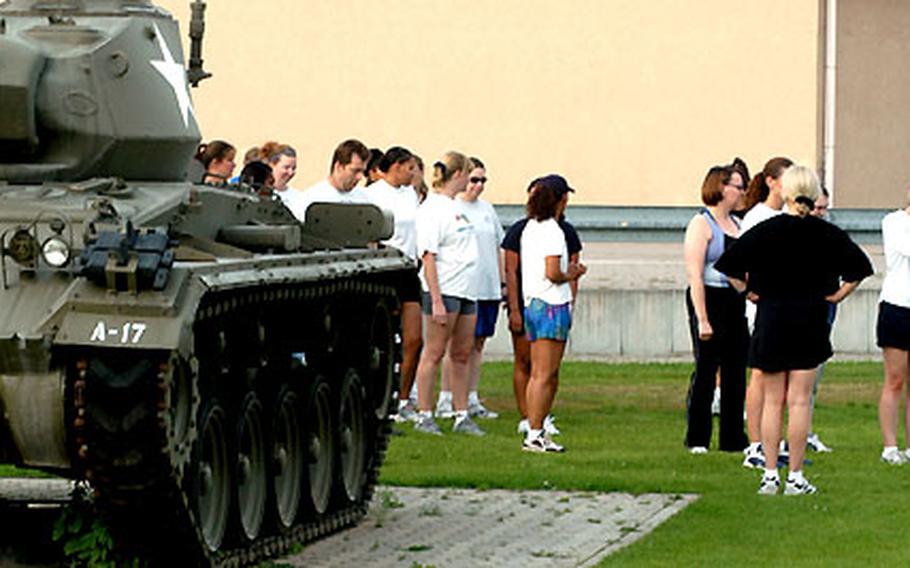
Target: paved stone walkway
[(455, 527)]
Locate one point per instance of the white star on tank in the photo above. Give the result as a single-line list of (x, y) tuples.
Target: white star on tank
[(175, 75)]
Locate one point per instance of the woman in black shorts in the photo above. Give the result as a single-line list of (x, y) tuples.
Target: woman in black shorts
[(893, 331), (795, 264)]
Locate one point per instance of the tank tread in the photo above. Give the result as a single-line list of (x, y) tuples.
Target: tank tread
[(123, 449)]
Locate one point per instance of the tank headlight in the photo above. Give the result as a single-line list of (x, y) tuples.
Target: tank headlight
[(56, 252), (23, 248)]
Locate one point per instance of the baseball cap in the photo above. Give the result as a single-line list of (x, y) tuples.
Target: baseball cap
[(556, 183)]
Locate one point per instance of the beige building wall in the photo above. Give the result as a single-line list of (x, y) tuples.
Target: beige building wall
[(872, 144), (631, 100)]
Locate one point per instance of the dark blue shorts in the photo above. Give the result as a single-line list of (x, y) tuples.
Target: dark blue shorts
[(546, 321), (487, 312)]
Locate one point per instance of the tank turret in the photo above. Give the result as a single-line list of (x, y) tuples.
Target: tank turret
[(92, 88)]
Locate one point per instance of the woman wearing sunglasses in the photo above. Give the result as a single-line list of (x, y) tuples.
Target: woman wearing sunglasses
[(490, 283), (717, 320)]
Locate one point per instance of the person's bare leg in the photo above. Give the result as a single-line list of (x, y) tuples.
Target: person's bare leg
[(433, 351), (546, 355), (475, 363), (799, 403), (460, 346), (754, 404), (411, 342), (521, 371), (897, 368), (774, 386)]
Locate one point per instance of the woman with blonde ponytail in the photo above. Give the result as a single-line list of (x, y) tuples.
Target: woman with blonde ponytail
[(793, 265), (447, 247)]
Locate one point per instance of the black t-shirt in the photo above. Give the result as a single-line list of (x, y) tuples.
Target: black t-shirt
[(788, 256), (512, 242)]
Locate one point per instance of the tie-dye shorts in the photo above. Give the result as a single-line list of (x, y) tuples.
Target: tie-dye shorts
[(547, 321)]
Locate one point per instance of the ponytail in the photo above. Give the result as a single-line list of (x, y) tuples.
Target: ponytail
[(445, 168)]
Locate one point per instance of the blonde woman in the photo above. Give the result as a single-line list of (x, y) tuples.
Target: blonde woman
[(447, 246), (794, 264)]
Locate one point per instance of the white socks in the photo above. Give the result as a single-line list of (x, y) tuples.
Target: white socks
[(445, 396), (532, 433), (473, 399), (771, 473)]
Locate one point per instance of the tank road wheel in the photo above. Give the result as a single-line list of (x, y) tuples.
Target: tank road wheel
[(319, 443), (287, 457), (251, 472), (212, 477), (352, 438), (381, 361)]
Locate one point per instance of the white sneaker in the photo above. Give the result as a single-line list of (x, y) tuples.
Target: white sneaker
[(468, 426), (549, 426), (754, 457), (769, 485), (478, 410), (698, 450), (523, 426), (444, 409), (406, 413), (541, 444), (802, 487), (715, 404), (893, 456), (815, 444)]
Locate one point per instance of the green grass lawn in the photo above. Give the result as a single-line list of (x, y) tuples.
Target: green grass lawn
[(623, 428)]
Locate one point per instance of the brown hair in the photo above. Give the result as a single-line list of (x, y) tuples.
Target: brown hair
[(543, 201), (214, 150), (712, 189), (345, 152), (272, 151), (758, 189), (445, 168)]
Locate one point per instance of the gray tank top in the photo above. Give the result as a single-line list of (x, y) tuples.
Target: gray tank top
[(716, 247)]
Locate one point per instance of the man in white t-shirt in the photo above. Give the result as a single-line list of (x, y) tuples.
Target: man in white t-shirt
[(347, 169)]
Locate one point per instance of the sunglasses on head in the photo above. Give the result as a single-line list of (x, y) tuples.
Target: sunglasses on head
[(478, 180)]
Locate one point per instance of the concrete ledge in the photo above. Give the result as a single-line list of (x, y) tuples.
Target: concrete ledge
[(652, 325)]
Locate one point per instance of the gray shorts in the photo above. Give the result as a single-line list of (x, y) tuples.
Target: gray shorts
[(453, 304)]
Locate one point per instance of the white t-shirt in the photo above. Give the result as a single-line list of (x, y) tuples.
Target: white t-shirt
[(445, 231), (896, 241), (402, 202), (539, 240), (489, 234), (759, 212), (323, 192)]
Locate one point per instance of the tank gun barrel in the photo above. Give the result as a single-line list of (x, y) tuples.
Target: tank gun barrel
[(196, 73)]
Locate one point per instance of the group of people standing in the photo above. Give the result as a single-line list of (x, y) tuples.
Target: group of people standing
[(466, 268), (762, 293)]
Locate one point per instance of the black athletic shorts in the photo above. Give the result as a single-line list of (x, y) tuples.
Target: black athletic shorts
[(893, 327)]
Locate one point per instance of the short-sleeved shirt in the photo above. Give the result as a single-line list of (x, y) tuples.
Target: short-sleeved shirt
[(324, 192), (402, 202), (896, 243), (489, 233), (790, 257), (444, 230), (759, 212), (512, 242), (539, 240)]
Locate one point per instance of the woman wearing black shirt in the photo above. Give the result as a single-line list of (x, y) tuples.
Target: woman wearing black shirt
[(794, 264)]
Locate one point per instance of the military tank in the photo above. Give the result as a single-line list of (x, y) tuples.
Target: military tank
[(219, 373)]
